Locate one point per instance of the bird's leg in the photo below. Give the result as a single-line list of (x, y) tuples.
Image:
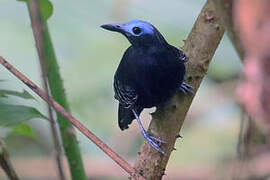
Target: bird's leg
[(150, 139), (186, 88)]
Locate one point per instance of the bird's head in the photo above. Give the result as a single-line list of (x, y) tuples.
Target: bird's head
[(139, 33)]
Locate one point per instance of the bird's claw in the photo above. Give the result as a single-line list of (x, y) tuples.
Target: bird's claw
[(157, 140), (153, 141), (156, 146), (186, 88)]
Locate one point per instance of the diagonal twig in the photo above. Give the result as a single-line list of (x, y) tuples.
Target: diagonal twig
[(58, 108)]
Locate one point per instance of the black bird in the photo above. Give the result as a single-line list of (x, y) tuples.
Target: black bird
[(150, 72)]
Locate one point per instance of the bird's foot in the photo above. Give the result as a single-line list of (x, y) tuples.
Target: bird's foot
[(153, 141), (186, 88), (156, 139)]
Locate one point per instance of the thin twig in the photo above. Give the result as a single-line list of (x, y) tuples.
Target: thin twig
[(5, 162), (58, 108), (57, 145), (37, 26), (46, 49)]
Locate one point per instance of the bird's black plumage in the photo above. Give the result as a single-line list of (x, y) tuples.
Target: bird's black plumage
[(150, 72), (148, 76)]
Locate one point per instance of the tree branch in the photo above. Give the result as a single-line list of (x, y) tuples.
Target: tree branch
[(58, 108), (5, 162), (167, 121), (250, 136)]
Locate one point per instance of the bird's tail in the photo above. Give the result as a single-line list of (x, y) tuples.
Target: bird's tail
[(126, 116)]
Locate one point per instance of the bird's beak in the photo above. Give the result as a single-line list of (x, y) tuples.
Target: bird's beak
[(113, 27)]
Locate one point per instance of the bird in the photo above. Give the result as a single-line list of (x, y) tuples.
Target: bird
[(150, 72)]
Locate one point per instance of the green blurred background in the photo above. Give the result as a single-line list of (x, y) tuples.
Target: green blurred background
[(88, 57)]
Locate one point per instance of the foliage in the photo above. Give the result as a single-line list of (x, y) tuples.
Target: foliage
[(25, 130), (24, 94), (15, 116), (12, 115), (46, 8)]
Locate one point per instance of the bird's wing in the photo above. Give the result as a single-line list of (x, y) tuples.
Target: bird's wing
[(179, 54), (182, 56), (125, 94)]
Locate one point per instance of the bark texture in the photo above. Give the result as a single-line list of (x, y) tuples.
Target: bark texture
[(167, 121)]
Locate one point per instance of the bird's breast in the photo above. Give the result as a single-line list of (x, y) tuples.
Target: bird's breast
[(154, 76), (155, 84)]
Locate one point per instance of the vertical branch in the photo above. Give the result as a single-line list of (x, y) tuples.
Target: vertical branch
[(5, 162), (166, 124), (54, 130), (252, 21), (224, 10), (250, 134), (57, 145), (51, 69)]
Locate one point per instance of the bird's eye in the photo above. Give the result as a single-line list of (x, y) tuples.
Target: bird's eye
[(136, 30)]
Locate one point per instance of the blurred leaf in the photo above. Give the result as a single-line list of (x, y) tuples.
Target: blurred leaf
[(46, 8), (25, 130), (24, 94), (2, 95), (11, 115)]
